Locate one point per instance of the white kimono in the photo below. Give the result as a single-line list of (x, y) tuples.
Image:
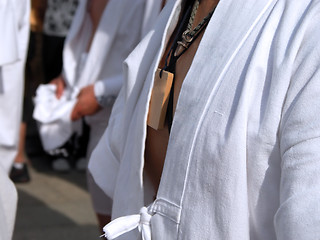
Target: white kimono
[(121, 27), (243, 156), (120, 30), (14, 28)]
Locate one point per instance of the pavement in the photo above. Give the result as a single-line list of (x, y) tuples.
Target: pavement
[(53, 205)]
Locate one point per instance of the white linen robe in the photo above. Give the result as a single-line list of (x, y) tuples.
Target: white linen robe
[(243, 156), (14, 28), (119, 31)]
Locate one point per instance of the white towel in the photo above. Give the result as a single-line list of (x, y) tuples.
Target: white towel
[(53, 115)]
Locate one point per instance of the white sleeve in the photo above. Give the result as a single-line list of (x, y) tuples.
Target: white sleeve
[(107, 90), (24, 28), (8, 28), (298, 216)]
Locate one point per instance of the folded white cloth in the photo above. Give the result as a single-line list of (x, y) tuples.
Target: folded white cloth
[(53, 115)]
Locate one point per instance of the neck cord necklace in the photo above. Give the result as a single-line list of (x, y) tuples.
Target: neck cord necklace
[(161, 101), (180, 47), (189, 35)]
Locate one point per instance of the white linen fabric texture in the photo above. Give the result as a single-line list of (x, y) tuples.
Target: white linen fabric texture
[(53, 115), (243, 155), (119, 31), (101, 203), (8, 204), (8, 25), (14, 27)]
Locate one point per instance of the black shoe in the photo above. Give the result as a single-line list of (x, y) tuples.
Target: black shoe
[(20, 175)]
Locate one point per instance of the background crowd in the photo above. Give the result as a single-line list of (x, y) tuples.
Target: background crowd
[(71, 65)]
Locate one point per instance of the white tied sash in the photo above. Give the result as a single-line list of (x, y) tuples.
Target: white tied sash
[(125, 224)]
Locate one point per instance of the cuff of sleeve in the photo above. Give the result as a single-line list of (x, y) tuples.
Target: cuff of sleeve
[(99, 91)]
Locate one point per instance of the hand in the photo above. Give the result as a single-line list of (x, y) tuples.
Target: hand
[(60, 83), (86, 104)]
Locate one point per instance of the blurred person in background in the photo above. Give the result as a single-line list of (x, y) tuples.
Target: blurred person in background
[(33, 77), (102, 35), (50, 22), (14, 28), (56, 25)]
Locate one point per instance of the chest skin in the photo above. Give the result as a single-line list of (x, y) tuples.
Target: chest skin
[(157, 140)]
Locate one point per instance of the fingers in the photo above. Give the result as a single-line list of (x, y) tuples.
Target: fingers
[(86, 104), (60, 84), (75, 116), (59, 91)]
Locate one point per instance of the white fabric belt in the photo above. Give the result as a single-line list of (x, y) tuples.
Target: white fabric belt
[(125, 224)]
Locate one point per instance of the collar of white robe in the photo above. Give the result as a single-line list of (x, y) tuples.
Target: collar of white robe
[(125, 224)]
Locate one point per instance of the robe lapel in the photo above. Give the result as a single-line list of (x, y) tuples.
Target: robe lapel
[(71, 48), (76, 42), (139, 67), (228, 30), (102, 43)]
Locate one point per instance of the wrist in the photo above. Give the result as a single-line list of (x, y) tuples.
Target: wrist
[(103, 101)]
